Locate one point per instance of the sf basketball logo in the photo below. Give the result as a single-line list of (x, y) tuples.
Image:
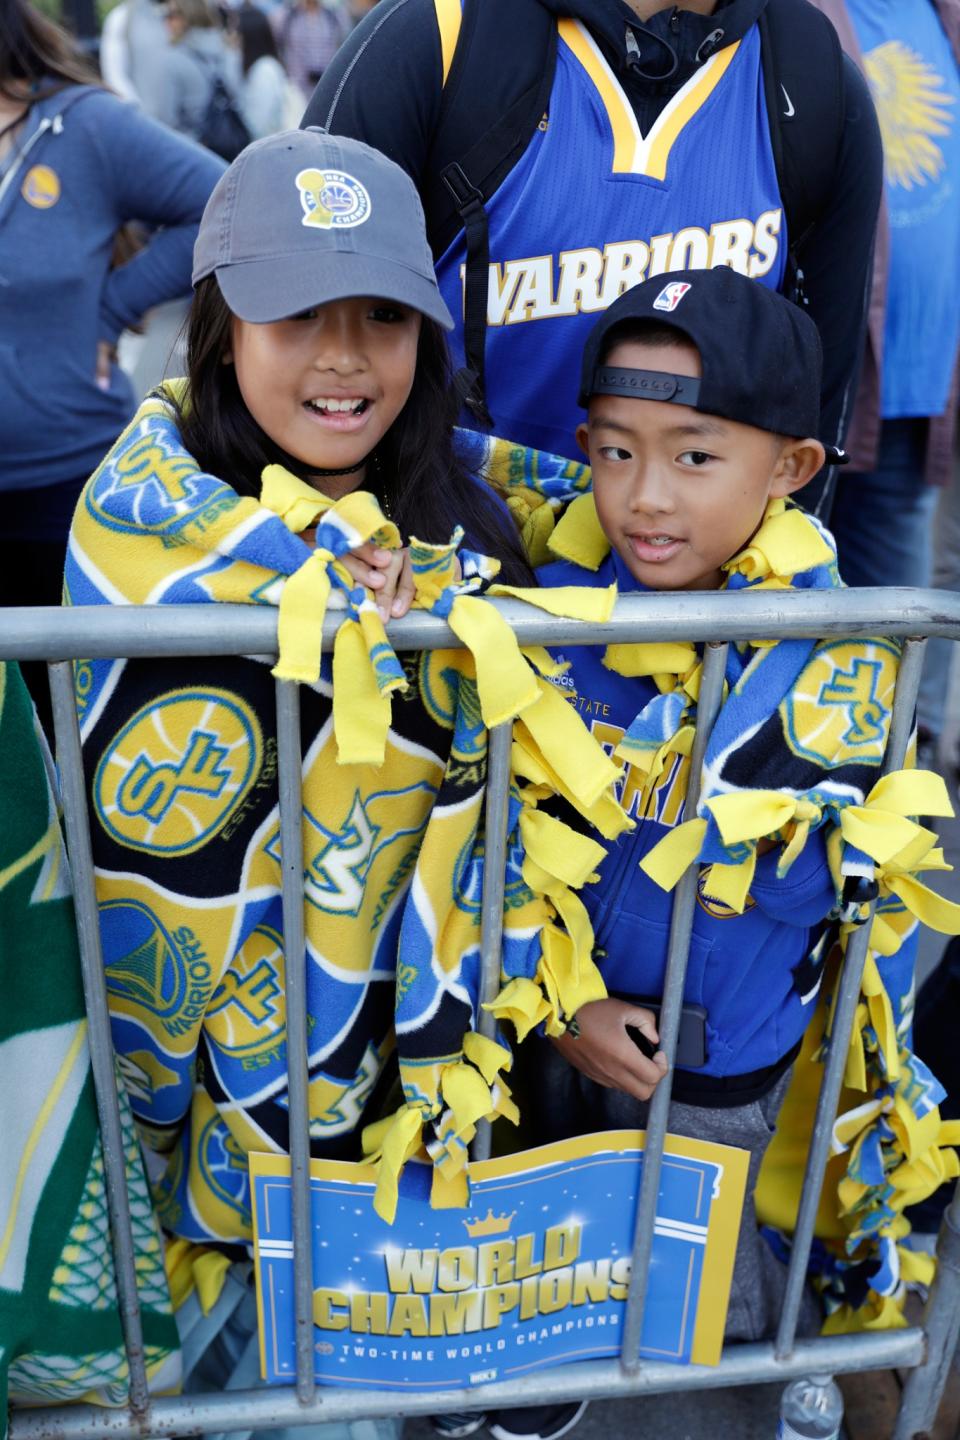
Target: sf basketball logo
[(332, 199), (177, 771), (245, 1017), (837, 711), (671, 295)]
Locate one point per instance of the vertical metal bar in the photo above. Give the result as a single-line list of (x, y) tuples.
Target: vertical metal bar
[(491, 905), (841, 1028), (924, 1388), (289, 767), (681, 926), (73, 790)]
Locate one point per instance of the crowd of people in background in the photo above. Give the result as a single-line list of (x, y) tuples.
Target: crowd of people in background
[(269, 56)]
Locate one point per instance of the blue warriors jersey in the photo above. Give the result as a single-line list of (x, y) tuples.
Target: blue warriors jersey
[(593, 207)]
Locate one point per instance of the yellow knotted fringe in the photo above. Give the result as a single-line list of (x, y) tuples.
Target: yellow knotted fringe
[(467, 1090), (361, 704), (880, 827)]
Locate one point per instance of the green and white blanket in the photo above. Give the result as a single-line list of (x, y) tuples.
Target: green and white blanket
[(60, 1333)]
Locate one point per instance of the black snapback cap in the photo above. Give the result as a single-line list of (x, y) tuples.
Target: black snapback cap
[(760, 355)]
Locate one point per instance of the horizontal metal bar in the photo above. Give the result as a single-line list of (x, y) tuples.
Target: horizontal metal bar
[(105, 632), (592, 1380)]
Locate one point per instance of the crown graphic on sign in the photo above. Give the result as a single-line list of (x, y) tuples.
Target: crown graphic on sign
[(490, 1225)]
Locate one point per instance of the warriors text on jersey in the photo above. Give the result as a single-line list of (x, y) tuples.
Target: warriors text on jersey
[(618, 207)]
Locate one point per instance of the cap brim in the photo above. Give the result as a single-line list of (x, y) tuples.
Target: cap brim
[(261, 291)]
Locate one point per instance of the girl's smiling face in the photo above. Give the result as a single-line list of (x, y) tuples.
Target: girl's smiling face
[(327, 385)]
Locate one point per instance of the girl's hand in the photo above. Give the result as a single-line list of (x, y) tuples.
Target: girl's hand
[(605, 1052), (388, 573)]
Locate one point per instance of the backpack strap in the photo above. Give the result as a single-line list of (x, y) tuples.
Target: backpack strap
[(488, 114), (803, 82)]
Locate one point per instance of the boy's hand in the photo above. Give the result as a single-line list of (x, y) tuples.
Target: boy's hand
[(388, 573), (605, 1052)]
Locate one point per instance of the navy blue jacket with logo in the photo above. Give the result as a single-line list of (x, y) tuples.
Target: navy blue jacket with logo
[(751, 972)]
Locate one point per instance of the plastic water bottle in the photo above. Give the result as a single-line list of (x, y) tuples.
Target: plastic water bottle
[(811, 1409)]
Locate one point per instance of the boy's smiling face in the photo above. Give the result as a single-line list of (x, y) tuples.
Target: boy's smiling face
[(679, 492)]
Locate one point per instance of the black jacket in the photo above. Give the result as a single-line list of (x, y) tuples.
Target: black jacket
[(385, 87)]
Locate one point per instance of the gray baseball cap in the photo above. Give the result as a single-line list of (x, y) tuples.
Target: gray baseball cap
[(304, 217)]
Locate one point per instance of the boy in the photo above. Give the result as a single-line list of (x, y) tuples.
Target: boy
[(702, 398)]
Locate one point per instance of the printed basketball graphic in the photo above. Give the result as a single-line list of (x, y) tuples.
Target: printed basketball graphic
[(719, 909), (41, 187), (223, 1166), (178, 770), (332, 199), (152, 968), (246, 1016), (835, 712)]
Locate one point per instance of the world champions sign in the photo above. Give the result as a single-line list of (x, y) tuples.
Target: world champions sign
[(535, 1272)]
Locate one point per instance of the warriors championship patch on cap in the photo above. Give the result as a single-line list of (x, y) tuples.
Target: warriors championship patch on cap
[(760, 355), (303, 218)]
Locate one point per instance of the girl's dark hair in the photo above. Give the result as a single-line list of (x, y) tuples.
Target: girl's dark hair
[(35, 51), (425, 487), (256, 36)]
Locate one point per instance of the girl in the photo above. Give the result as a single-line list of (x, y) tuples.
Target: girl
[(317, 402)]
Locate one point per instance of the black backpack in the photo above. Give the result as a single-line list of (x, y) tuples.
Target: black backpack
[(222, 128), (490, 111)]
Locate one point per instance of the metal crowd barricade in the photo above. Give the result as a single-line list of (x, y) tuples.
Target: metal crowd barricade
[(59, 637)]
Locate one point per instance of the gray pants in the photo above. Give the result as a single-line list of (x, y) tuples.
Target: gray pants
[(565, 1103)]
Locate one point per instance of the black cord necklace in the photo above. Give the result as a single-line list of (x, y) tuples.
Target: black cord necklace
[(347, 470), (374, 479)]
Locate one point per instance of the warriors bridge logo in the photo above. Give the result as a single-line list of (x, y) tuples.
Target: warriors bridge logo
[(165, 972)]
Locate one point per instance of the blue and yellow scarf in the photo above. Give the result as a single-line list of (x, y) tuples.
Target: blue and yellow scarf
[(181, 763)]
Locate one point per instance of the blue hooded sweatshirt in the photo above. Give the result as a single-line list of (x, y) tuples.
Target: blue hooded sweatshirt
[(751, 972), (85, 164)]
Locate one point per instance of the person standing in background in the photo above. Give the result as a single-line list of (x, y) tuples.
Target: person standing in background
[(901, 436), (198, 55), (132, 43), (309, 33), (268, 99), (357, 9), (77, 165), (590, 144)]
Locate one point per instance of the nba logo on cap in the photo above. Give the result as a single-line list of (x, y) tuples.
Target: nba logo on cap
[(671, 295)]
